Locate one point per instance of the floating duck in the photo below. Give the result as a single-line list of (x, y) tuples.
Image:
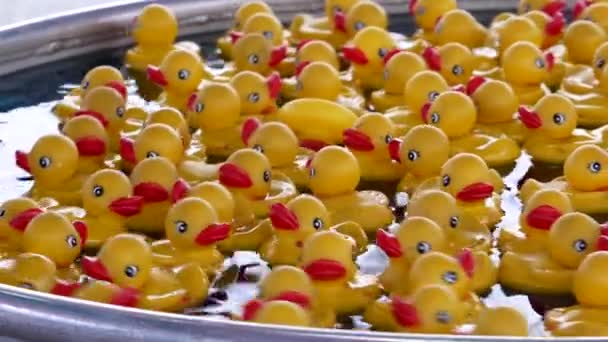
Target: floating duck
[(315, 51), (454, 61), (107, 197), (368, 140), (279, 312), (587, 94), (257, 94), (334, 176), (366, 52), (15, 215), (525, 69), (551, 7), (584, 180), (593, 11), (501, 321), (174, 119), (255, 52), (242, 14), (427, 13), (92, 142), (399, 68), (515, 29), (264, 23), (155, 140), (552, 27), (455, 114), (126, 260), (581, 39), (459, 26)]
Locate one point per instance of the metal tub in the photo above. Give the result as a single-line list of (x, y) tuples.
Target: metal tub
[(100, 31)]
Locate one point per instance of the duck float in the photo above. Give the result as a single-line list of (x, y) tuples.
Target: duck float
[(582, 38), (500, 321), (550, 7), (514, 29), (552, 27), (91, 140), (427, 13), (155, 140), (525, 68), (254, 52), (279, 312), (454, 61), (15, 215), (594, 11), (241, 15), (174, 119), (257, 94), (460, 26), (309, 51), (306, 27)]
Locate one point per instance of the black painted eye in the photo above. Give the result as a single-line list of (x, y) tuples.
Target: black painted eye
[(258, 148), (268, 35), (253, 59), (253, 97), (445, 180), (382, 52), (423, 247), (457, 70), (181, 226), (559, 118), (359, 25), (443, 317), (540, 63), (450, 277), (86, 85), (267, 176), (580, 245), (312, 172), (317, 223), (2, 212), (413, 155), (435, 117), (183, 74), (72, 241), (595, 167), (388, 138), (433, 95), (44, 162), (454, 221), (131, 271), (97, 191), (152, 154), (120, 112), (199, 107), (600, 63)]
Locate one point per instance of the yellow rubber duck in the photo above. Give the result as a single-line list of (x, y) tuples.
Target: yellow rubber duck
[(551, 7), (552, 122), (157, 181), (53, 163), (126, 260), (476, 189), (315, 51), (587, 94), (369, 141), (241, 15), (422, 151), (581, 39), (583, 79), (193, 231), (588, 318), (399, 68), (551, 270), (459, 26), (107, 197), (306, 27), (525, 68), (455, 114), (91, 140), (257, 94), (179, 74), (552, 27), (255, 52), (454, 61), (15, 215), (155, 140), (366, 53), (334, 174), (427, 13), (264, 23), (174, 119), (277, 312), (513, 30), (501, 321), (595, 12), (316, 122), (327, 258)]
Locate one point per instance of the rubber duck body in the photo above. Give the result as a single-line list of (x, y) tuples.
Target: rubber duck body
[(15, 215), (242, 14), (550, 7), (501, 321), (590, 99), (254, 52), (126, 260), (454, 61), (594, 11), (459, 26), (525, 68), (92, 142), (257, 94), (427, 13), (334, 175)]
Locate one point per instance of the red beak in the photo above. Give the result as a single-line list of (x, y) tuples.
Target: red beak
[(22, 162), (474, 83), (312, 144), (389, 244), (283, 218), (301, 67), (251, 309), (94, 268), (529, 118), (213, 233), (579, 7), (234, 176), (555, 7), (556, 25), (295, 297), (461, 88), (151, 192), (467, 261), (127, 150), (602, 242), (91, 146), (156, 76), (127, 297), (21, 220), (354, 55), (390, 55), (412, 6), (274, 85), (394, 149), (249, 126), (235, 36), (82, 230), (119, 87), (63, 288), (550, 58), (302, 43), (424, 112), (180, 190), (325, 270), (340, 21), (432, 58), (192, 102), (357, 140), (127, 206), (404, 312), (97, 115), (543, 217), (277, 55), (475, 192)]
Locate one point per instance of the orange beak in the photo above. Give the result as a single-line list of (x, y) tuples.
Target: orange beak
[(274, 85), (94, 268), (21, 220), (475, 192), (97, 115), (432, 58), (82, 230), (355, 55), (151, 192), (389, 244), (180, 190), (127, 150), (543, 217), (283, 218), (340, 21), (404, 312), (325, 270), (91, 146), (127, 206), (157, 76), (394, 150), (467, 261), (22, 162), (249, 126), (530, 118), (234, 176), (213, 233), (357, 140)]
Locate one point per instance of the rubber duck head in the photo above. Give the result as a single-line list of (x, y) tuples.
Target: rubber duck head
[(247, 10), (155, 26), (466, 177), (399, 69), (424, 204), (279, 312), (254, 52), (52, 235), (265, 24), (303, 215), (309, 84), (216, 106), (427, 12), (414, 237), (361, 15), (524, 64), (106, 105), (433, 309), (459, 26), (372, 132), (333, 171), (124, 259), (218, 196), (103, 75), (582, 38), (15, 215), (155, 140), (35, 272), (257, 94), (552, 27), (89, 135), (52, 160), (110, 191), (596, 13), (274, 139), (501, 321), (327, 256), (156, 180), (553, 116), (551, 7), (518, 29), (315, 51), (174, 119), (369, 47), (287, 283), (454, 61), (573, 236), (181, 71), (453, 112), (590, 283), (586, 168), (544, 208), (436, 268), (599, 60), (193, 222), (423, 150), (247, 171), (423, 87), (495, 100)]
